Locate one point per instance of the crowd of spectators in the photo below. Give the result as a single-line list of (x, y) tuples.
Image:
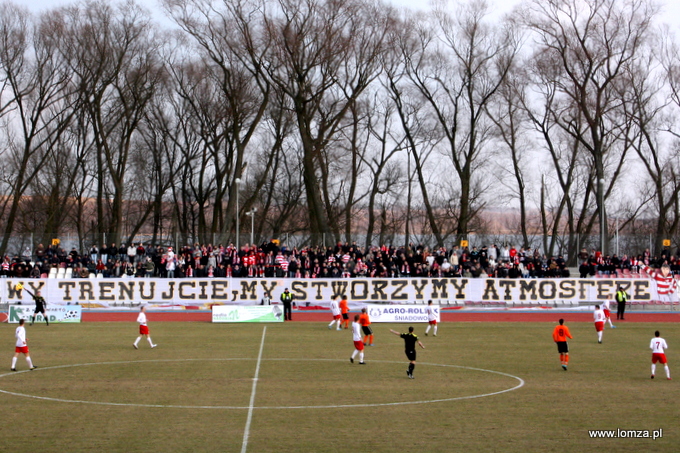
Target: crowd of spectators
[(339, 261), (597, 264)]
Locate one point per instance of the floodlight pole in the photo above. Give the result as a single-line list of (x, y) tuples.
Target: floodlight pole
[(251, 213), (238, 187), (602, 216)]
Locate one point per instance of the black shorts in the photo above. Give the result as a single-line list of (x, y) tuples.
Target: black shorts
[(39, 309), (562, 347), (367, 330), (345, 316), (411, 355)]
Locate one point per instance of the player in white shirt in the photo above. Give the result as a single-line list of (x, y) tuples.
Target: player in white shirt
[(358, 342), (658, 346), (143, 328), (599, 318), (21, 346), (431, 318), (335, 310), (605, 309)]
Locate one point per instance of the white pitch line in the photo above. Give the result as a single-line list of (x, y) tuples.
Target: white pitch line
[(251, 405)]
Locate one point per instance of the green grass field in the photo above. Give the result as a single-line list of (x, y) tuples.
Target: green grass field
[(193, 392)]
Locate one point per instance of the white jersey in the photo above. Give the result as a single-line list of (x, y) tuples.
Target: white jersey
[(431, 313), (605, 305), (335, 307), (20, 335), (356, 331), (599, 316), (141, 318), (658, 345)]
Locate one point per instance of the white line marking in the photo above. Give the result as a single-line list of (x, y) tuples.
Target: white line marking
[(341, 406), (251, 406)]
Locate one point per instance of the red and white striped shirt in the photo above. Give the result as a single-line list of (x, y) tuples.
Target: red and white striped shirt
[(665, 284), (280, 259)]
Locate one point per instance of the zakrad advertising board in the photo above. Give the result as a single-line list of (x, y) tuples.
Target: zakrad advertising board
[(55, 313), (231, 313), (401, 313)]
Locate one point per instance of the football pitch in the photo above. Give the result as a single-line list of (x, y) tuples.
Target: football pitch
[(291, 388)]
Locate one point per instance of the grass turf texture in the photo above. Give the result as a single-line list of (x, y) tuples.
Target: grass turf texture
[(304, 364)]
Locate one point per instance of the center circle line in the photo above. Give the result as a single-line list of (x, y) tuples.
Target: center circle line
[(339, 406)]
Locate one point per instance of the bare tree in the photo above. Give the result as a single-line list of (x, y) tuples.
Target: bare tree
[(592, 41), (646, 104), (324, 54), (510, 118), (386, 175), (420, 137), (114, 57), (35, 106), (281, 193), (237, 94), (458, 68)]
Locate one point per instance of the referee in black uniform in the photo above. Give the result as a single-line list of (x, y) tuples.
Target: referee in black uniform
[(40, 304), (410, 341)]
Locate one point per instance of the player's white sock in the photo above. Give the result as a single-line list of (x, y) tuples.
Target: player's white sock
[(599, 336), (653, 369), (354, 354), (668, 371), (361, 357), (435, 330), (610, 322), (14, 362), (428, 328), (137, 340), (30, 363), (150, 342)]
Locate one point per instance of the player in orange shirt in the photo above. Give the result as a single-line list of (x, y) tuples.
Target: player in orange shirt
[(344, 310), (365, 322), (560, 335)]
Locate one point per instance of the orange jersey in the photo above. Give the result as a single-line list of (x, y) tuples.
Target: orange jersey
[(561, 333), (343, 307), (364, 319)]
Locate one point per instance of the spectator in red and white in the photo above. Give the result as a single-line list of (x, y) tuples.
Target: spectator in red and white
[(446, 267), (6, 264), (666, 285), (279, 260), (170, 266)]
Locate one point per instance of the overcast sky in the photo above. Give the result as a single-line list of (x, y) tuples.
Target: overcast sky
[(670, 14)]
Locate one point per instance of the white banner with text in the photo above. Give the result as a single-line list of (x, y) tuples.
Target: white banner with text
[(206, 292)]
